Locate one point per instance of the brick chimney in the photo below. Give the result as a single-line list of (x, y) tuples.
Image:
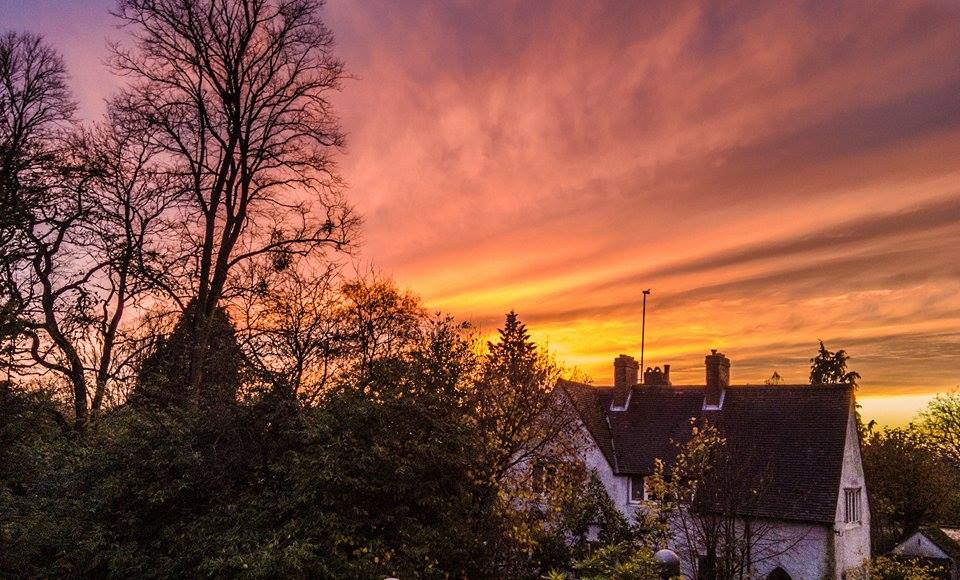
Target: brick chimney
[(626, 371), (718, 379)]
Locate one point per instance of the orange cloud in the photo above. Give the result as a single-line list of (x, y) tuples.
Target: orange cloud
[(776, 172)]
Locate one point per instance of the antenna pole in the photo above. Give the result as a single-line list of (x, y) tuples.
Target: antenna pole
[(643, 332)]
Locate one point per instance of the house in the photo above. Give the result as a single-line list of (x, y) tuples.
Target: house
[(939, 546), (799, 442)]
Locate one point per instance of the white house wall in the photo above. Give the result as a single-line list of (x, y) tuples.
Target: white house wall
[(618, 488), (807, 560), (852, 541), (808, 557)]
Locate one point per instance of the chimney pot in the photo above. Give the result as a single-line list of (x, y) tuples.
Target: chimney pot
[(654, 377)]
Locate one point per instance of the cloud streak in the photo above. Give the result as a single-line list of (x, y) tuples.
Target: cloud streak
[(777, 173)]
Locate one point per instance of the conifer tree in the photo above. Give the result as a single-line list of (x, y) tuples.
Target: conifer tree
[(164, 377), (514, 389), (830, 368)]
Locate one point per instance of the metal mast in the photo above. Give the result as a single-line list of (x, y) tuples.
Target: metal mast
[(643, 332)]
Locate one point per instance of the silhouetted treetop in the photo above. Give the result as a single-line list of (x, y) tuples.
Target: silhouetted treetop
[(830, 368)]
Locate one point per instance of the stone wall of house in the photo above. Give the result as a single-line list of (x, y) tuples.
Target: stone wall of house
[(808, 556), (852, 541)]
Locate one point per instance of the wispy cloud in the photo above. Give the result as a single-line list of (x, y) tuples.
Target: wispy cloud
[(777, 172)]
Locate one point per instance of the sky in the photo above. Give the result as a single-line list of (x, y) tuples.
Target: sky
[(775, 172)]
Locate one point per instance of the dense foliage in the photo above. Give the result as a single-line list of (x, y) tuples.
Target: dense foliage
[(889, 568), (911, 480), (398, 470), (830, 368), (194, 388)]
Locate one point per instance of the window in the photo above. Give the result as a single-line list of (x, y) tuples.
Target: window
[(537, 477), (542, 475), (638, 491), (851, 504)]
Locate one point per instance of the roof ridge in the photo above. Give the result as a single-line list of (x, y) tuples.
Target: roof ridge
[(943, 541), (808, 386)]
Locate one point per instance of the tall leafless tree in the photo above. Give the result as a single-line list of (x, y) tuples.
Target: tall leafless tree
[(42, 202), (86, 233), (235, 94), (35, 108)]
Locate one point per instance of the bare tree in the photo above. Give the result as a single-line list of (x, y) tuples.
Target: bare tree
[(86, 242), (234, 93), (35, 109), (706, 503), (78, 218), (290, 331)]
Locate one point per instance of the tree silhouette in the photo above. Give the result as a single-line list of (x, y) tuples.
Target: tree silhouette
[(830, 368), (235, 93), (164, 376)]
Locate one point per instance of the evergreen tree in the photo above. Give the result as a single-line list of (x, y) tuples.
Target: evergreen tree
[(165, 378), (514, 389), (514, 359), (830, 368)]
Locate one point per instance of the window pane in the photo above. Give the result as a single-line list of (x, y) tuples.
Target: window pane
[(851, 497), (636, 488)]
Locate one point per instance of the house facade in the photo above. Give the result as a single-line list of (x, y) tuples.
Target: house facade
[(797, 445)]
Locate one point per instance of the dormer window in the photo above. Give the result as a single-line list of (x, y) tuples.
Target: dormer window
[(638, 489), (851, 505)]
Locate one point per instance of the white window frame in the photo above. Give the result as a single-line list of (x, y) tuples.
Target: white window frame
[(853, 505), (630, 486)]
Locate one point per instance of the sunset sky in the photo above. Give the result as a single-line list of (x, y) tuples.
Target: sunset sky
[(776, 173)]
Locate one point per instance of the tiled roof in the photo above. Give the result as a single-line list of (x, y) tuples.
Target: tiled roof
[(591, 404), (791, 436), (947, 539)]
